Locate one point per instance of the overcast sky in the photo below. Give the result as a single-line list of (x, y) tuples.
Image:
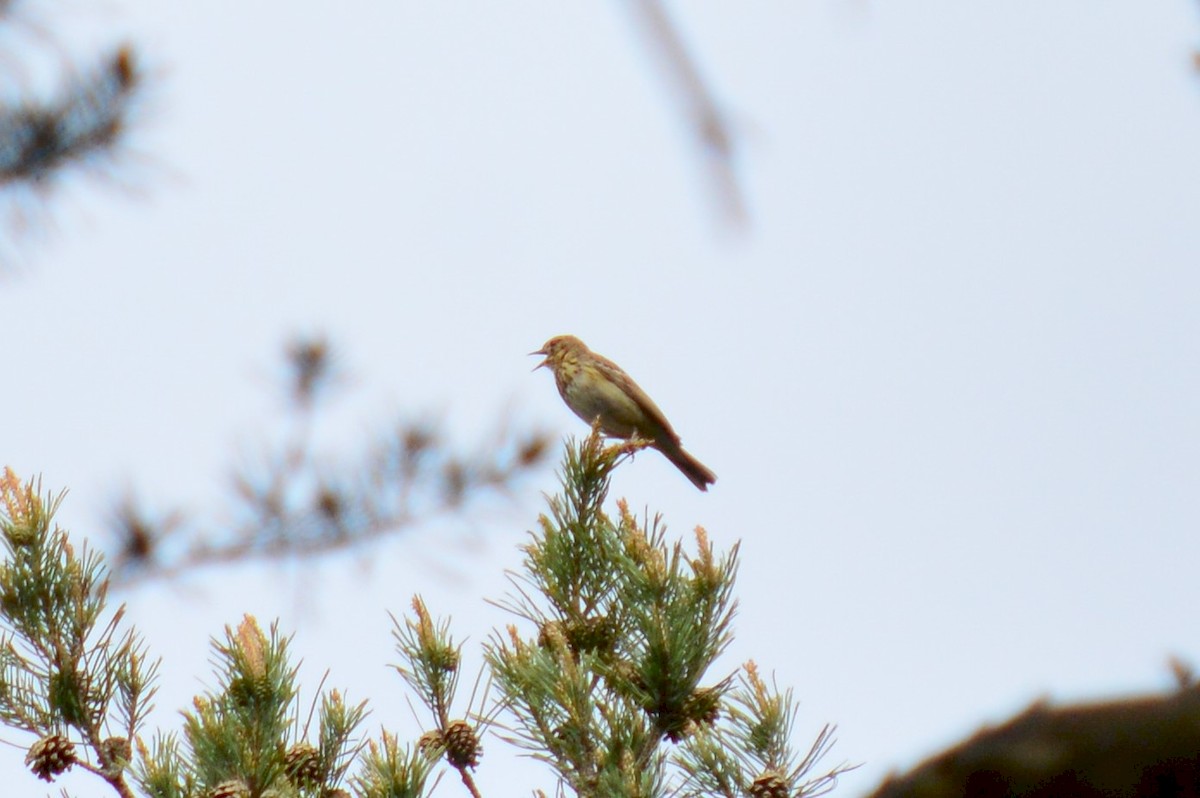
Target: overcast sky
[(947, 376)]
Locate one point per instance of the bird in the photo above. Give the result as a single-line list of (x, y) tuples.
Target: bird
[(597, 389)]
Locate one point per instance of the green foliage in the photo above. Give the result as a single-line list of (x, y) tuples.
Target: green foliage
[(604, 677), (390, 770), (83, 688), (430, 658), (162, 772), (63, 674), (242, 732), (627, 628), (430, 664), (752, 742)]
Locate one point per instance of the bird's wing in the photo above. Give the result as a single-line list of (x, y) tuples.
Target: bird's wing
[(641, 399)]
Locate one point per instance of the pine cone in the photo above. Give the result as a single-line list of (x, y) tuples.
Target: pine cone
[(703, 706), (230, 788), (302, 764), (248, 692), (431, 744), (598, 634), (769, 785), (50, 756), (116, 754), (444, 658), (21, 535), (462, 746)]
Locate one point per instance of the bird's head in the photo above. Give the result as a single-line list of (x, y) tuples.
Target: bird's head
[(558, 349)]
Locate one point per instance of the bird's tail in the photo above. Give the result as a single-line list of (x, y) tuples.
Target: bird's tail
[(700, 474)]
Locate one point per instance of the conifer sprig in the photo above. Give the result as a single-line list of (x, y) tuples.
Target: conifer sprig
[(81, 686), (431, 666), (391, 770), (627, 627), (749, 751), (241, 738)]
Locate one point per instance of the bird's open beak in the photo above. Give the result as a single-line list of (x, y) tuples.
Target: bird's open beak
[(543, 363)]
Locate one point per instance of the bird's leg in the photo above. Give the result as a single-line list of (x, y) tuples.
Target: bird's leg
[(634, 444)]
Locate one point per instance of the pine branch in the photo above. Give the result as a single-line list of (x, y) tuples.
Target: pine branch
[(80, 686), (88, 119), (300, 502), (605, 677)]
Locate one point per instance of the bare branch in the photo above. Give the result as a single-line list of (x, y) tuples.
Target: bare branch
[(707, 123)]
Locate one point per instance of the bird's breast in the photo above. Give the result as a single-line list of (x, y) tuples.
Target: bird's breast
[(592, 397)]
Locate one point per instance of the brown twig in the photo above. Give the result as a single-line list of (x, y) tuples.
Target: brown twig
[(469, 782), (709, 125)]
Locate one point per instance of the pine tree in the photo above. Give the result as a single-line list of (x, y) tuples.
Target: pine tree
[(605, 675)]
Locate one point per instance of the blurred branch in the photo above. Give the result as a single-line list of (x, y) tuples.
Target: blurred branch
[(300, 503), (707, 123), (82, 123), (38, 140)]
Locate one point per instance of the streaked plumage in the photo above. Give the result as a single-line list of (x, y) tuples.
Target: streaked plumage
[(595, 387)]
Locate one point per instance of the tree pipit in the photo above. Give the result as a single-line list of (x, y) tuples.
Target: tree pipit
[(595, 388)]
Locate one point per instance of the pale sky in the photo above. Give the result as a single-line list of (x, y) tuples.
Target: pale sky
[(947, 377)]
